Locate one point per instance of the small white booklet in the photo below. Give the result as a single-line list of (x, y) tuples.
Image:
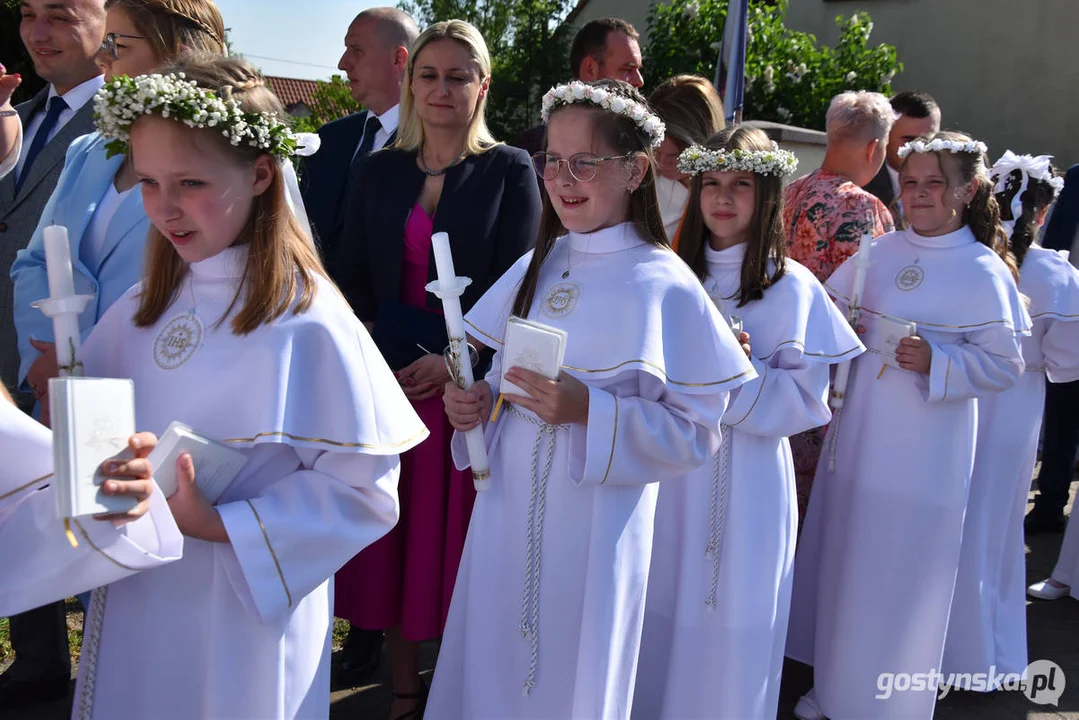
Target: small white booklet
[(892, 330), (92, 420), (216, 464), (533, 346)]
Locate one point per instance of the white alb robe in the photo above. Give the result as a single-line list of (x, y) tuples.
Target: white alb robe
[(877, 560), (715, 628), (551, 589), (988, 626), (37, 563), (242, 629)]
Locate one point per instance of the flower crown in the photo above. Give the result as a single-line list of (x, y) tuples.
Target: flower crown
[(579, 92), (940, 144), (695, 160), (121, 102)]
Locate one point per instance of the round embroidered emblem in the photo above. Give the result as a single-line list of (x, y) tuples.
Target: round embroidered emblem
[(178, 341), (561, 299), (909, 277)]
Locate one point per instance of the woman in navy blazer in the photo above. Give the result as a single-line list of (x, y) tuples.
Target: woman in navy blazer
[(444, 173), (106, 252)]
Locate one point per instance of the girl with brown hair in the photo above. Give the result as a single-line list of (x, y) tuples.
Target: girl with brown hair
[(647, 372), (237, 332), (879, 551), (716, 621)]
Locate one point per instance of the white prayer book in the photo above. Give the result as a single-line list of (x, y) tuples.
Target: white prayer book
[(216, 464), (892, 330), (92, 420), (533, 346)]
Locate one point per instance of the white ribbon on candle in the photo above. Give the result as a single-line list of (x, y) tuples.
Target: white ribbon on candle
[(63, 305), (449, 288)]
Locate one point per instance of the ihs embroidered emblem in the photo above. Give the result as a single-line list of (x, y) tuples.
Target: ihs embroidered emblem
[(561, 299), (178, 341), (909, 277)]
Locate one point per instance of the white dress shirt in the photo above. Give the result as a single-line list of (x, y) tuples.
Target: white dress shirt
[(75, 98), (389, 119)]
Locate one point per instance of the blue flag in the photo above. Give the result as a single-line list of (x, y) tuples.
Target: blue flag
[(731, 70)]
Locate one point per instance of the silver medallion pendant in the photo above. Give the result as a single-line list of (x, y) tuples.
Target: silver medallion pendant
[(561, 299), (909, 277), (178, 341)]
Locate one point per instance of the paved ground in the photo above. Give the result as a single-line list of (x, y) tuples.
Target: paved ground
[(1053, 634)]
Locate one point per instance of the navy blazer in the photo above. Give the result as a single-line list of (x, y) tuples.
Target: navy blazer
[(324, 178), (1060, 232), (490, 206)]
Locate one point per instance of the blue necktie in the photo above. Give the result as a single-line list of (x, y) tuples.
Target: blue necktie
[(370, 129), (41, 137)]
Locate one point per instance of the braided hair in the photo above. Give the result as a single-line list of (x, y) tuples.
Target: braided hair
[(1038, 196), (173, 27)]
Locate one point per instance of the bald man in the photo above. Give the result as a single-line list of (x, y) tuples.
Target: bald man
[(374, 61)]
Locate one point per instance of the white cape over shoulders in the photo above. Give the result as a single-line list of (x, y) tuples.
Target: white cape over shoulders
[(547, 612), (716, 620), (311, 402), (879, 550)]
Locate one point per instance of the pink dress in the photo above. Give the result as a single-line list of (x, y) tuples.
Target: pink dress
[(406, 578)]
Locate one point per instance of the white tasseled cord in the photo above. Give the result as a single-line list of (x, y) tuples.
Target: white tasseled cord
[(718, 509), (537, 506)]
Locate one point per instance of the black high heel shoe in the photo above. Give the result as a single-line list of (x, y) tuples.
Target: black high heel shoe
[(415, 713)]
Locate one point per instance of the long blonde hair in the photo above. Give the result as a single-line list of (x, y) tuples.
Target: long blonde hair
[(410, 130), (282, 266)]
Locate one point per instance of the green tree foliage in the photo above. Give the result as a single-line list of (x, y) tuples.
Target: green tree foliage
[(789, 77), (330, 100), (529, 47)]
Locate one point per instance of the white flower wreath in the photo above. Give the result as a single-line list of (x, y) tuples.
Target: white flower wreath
[(695, 160), (121, 102), (940, 145), (579, 92)]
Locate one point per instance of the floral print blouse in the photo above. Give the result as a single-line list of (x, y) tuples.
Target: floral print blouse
[(826, 215)]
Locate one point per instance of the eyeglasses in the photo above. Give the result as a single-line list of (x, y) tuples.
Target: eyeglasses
[(109, 44), (582, 166)]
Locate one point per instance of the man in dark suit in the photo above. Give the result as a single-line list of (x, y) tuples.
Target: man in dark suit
[(603, 49), (1061, 424), (918, 114), (62, 37), (375, 58)]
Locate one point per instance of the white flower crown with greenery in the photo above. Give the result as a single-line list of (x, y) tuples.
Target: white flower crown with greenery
[(695, 160), (940, 145), (579, 92), (124, 100)]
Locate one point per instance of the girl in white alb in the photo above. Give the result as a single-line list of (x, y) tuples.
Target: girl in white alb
[(546, 616), (988, 627), (723, 553), (237, 333), (877, 559)]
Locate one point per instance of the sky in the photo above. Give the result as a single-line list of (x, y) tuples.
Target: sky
[(311, 32)]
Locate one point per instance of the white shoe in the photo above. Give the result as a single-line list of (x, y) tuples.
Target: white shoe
[(807, 708), (1045, 590)]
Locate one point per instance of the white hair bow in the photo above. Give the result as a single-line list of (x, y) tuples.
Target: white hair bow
[(1039, 168), (307, 144)]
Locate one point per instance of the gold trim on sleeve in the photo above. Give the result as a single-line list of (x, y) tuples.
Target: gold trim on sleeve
[(947, 374), (28, 485), (266, 537), (86, 537), (801, 346), (760, 391), (657, 367), (492, 339), (297, 438), (614, 438)]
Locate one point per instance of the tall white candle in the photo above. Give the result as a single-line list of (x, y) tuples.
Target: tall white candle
[(449, 287), (58, 262)]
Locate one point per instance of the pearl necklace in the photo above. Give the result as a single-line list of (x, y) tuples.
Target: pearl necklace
[(436, 173)]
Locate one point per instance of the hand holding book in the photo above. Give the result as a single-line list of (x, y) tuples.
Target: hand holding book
[(194, 514), (557, 402), (130, 478)]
